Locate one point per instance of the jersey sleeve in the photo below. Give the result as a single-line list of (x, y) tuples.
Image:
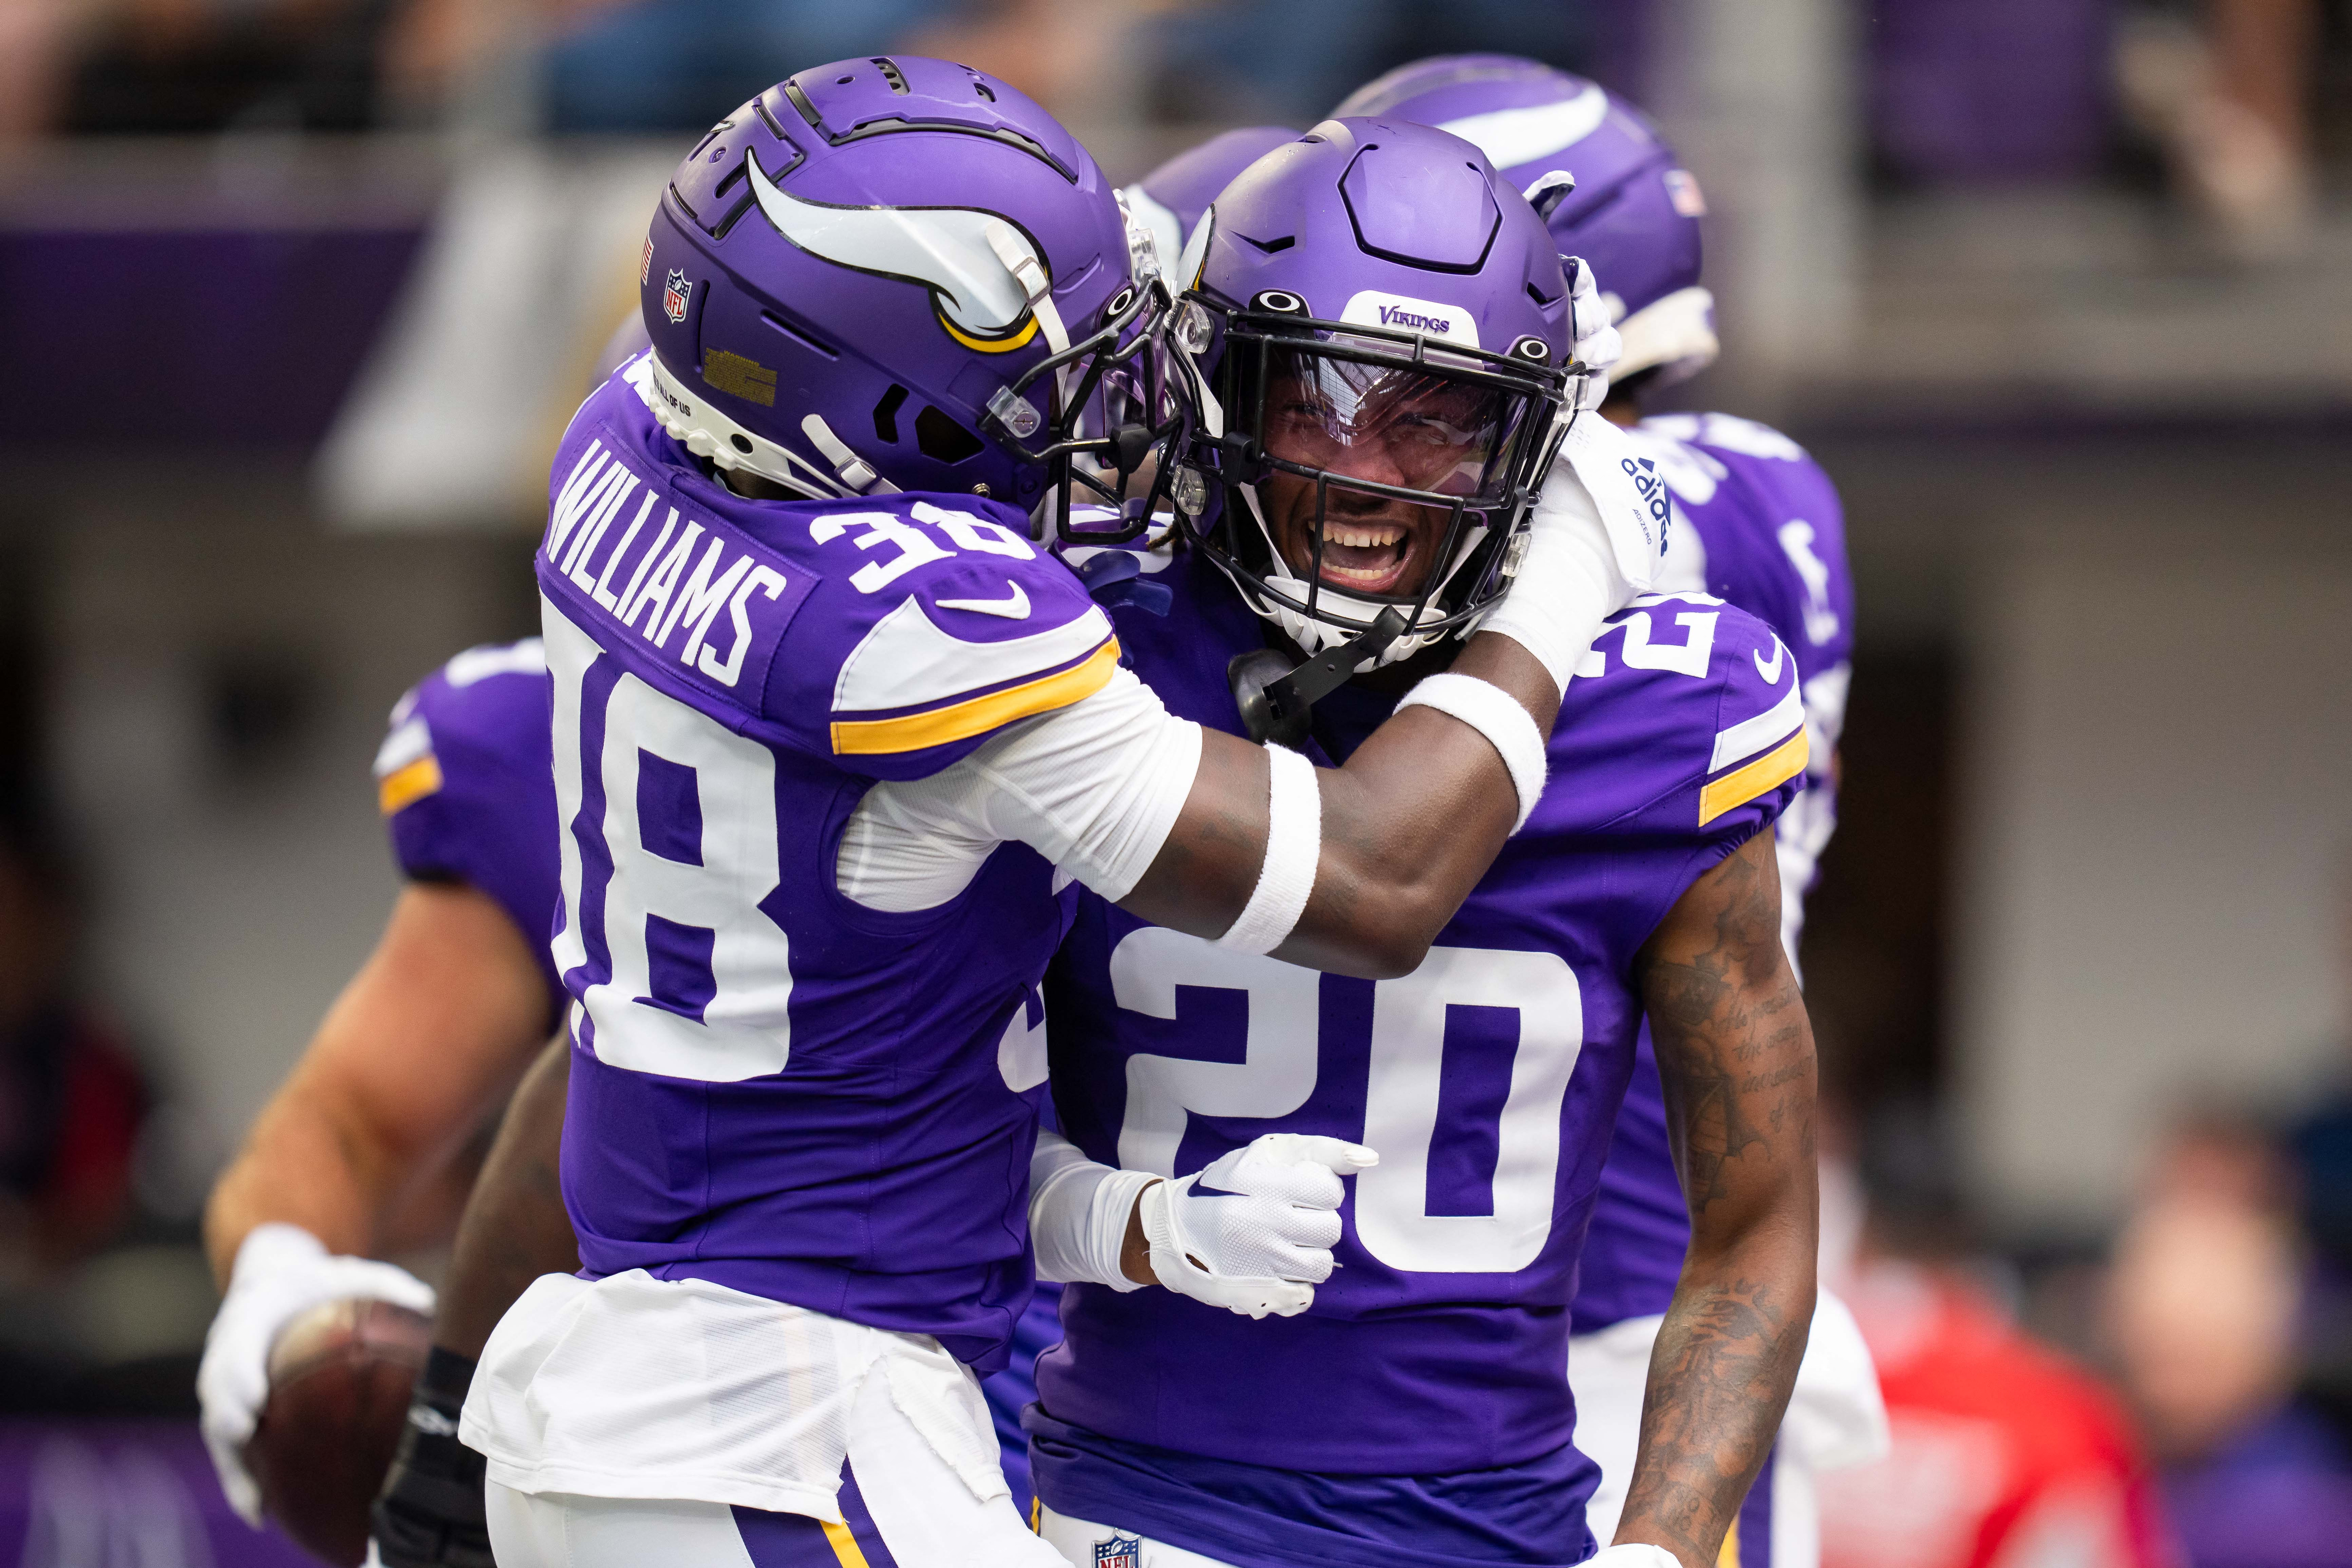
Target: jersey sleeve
[(1736, 737), (1096, 787), (1804, 586), (961, 629), (888, 634), (464, 781)]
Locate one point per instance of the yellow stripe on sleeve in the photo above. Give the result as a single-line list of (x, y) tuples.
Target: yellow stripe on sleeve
[(845, 1545), (979, 715), (407, 786), (1728, 1557), (1774, 768)]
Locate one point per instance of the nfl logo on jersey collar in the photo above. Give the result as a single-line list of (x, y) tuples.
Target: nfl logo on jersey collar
[(1119, 1552)]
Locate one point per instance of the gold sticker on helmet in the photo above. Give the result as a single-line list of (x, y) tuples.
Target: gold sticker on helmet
[(738, 377)]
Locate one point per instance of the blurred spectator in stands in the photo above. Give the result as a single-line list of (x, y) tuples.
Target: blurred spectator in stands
[(2003, 1455), (2204, 1312), (598, 66), (71, 1100), (1211, 60), (2229, 97), (677, 65)]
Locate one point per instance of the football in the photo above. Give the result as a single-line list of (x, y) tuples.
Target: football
[(340, 1376)]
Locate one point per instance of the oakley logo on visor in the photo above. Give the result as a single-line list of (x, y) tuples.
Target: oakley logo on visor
[(1401, 313)]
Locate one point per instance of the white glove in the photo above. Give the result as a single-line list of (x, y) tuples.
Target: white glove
[(1597, 344), (1595, 541), (1633, 1556), (282, 1271), (1253, 1232)]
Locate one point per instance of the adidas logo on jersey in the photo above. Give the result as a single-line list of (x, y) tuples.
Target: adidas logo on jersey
[(1651, 485)]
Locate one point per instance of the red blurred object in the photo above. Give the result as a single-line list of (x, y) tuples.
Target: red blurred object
[(2004, 1456), (339, 1377)]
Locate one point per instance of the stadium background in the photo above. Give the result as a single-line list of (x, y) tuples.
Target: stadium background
[(296, 294)]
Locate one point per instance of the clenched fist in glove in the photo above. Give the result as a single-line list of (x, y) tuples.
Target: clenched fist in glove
[(1252, 1233)]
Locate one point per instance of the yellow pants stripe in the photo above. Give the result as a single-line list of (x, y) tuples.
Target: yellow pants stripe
[(851, 1555)]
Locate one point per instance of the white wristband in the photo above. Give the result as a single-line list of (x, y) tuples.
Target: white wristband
[(1496, 714), (1078, 1213), (1294, 849)]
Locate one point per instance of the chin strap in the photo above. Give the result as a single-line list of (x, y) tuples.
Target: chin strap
[(1274, 697), (855, 471), (1030, 275)]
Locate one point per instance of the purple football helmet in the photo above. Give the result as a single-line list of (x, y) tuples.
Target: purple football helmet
[(1634, 214), (1170, 201), (901, 274), (1382, 326)]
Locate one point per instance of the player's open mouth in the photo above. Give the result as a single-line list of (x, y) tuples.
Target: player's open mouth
[(1366, 557)]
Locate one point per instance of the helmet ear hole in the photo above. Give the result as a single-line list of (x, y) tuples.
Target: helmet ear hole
[(886, 414), (941, 439)]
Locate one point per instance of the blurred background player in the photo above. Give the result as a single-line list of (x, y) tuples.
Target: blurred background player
[(1758, 524), (1413, 1411), (371, 1145), (764, 1318)]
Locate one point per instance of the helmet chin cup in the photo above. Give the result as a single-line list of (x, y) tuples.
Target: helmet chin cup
[(1274, 695), (1316, 634)]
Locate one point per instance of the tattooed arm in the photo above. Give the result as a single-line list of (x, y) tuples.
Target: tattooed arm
[(1736, 1053)]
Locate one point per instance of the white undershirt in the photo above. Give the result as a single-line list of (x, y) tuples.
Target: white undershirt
[(1095, 788)]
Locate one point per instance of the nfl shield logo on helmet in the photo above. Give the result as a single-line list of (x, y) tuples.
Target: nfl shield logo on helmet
[(675, 291), (1119, 1552)]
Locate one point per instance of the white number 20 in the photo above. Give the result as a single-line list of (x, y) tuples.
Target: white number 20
[(1276, 1076)]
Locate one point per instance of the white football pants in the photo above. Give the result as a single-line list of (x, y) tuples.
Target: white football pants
[(901, 1504)]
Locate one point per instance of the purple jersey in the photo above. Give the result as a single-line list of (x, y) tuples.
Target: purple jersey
[(463, 782), (1487, 1080), (1762, 529), (775, 1087)]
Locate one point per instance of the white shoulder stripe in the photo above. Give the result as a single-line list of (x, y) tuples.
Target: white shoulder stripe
[(907, 660), (409, 739), (527, 657), (1749, 736)]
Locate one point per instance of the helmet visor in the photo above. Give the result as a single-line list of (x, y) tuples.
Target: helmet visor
[(1385, 427)]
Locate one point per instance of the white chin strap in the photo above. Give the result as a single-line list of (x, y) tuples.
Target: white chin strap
[(1676, 333), (1315, 635)]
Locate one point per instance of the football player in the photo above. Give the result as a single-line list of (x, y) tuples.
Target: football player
[(1759, 524), (832, 738), (412, 1059), (1362, 296)]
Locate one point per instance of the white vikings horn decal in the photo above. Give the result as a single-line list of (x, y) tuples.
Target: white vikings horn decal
[(1510, 137), (945, 248)]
